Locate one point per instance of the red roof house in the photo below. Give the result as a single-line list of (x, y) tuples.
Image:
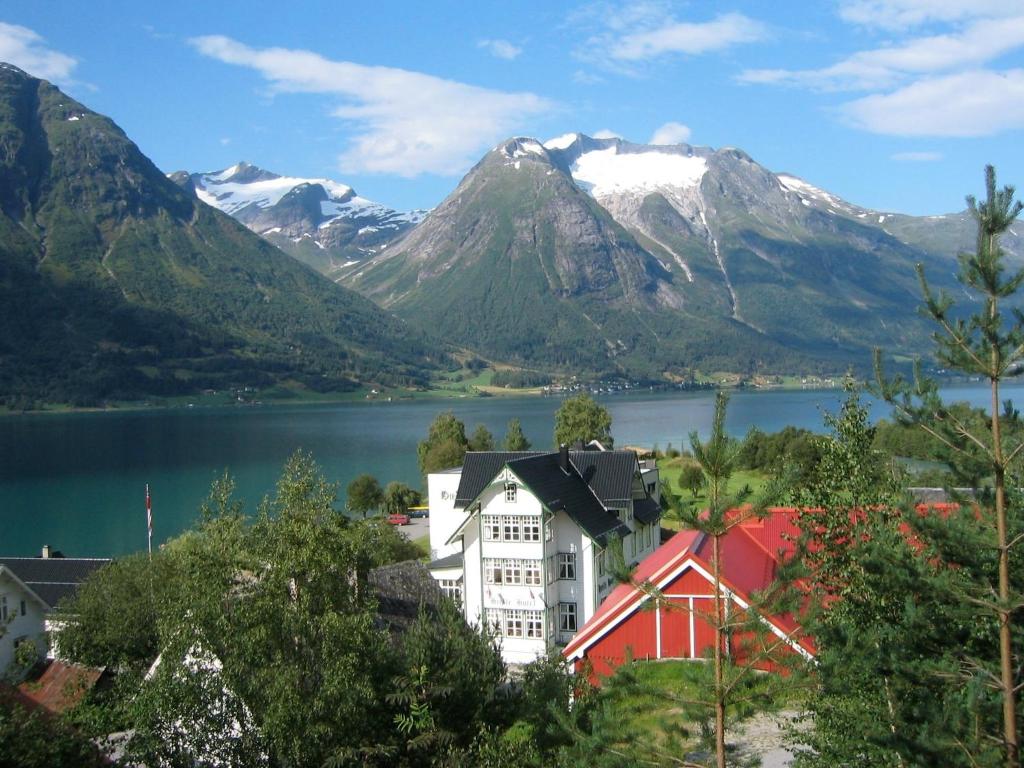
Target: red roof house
[(679, 576)]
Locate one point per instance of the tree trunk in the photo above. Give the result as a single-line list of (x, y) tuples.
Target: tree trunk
[(719, 677), (1005, 642)]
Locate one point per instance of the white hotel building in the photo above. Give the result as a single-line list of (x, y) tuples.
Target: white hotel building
[(522, 539)]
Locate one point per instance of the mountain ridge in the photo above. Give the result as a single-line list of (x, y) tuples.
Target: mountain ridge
[(117, 284)]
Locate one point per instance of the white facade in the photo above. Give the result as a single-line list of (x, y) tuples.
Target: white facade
[(533, 574), (22, 618)]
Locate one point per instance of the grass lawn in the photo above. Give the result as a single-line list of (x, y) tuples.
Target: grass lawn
[(670, 469)]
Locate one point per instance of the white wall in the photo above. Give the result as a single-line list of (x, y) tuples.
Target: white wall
[(444, 518), (30, 625)]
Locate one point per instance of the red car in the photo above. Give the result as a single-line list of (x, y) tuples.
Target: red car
[(398, 518)]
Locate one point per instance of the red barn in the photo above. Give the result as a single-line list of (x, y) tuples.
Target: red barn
[(680, 572)]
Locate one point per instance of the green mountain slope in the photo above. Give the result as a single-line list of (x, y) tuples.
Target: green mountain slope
[(116, 283), (562, 257)]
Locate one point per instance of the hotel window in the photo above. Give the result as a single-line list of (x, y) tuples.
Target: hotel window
[(513, 571), (600, 563), (3, 607), (513, 623), (567, 566), (551, 620), (492, 528), (534, 624), (493, 618), (510, 528), (452, 588), (567, 617), (548, 532), (552, 568), (531, 529), (23, 611), (492, 571), (510, 493), (531, 573)]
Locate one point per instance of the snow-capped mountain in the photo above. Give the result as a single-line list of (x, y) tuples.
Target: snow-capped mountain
[(319, 221), (608, 255)]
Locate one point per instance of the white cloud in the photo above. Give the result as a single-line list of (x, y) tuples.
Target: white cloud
[(623, 36), (503, 49), (974, 103), (902, 14), (605, 133), (916, 157), (688, 37), (671, 133), (405, 123), (980, 42), (24, 48), (225, 141)]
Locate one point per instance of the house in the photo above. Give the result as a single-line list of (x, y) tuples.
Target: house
[(30, 588), (523, 540), (680, 572)]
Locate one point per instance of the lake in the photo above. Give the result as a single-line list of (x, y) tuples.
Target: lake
[(76, 481)]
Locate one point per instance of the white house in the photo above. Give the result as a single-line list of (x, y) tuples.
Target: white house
[(523, 540), (30, 588)]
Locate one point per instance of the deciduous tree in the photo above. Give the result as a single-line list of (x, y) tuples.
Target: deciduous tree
[(582, 419)]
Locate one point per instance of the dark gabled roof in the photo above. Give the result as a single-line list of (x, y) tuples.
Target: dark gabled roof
[(479, 468), (608, 473), (557, 489), (52, 578), (646, 510), (611, 474), (401, 590), (444, 563)]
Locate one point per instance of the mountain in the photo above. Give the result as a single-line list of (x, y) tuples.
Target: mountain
[(611, 256), (116, 283), (321, 222)]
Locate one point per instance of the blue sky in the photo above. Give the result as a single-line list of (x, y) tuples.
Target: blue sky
[(892, 104)]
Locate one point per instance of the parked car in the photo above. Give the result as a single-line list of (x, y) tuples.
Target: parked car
[(398, 518), (419, 511)]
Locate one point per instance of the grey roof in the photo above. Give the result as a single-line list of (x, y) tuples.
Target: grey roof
[(444, 563), (402, 589), (646, 510), (567, 490), (479, 468), (608, 473), (52, 578)]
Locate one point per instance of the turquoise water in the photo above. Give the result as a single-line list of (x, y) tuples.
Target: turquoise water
[(76, 481)]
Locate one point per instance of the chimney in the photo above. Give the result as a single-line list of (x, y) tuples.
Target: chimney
[(46, 551), (563, 457)]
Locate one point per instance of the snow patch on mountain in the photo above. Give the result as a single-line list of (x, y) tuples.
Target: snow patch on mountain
[(231, 196), (607, 171)]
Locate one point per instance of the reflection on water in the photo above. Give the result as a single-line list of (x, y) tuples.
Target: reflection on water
[(76, 481)]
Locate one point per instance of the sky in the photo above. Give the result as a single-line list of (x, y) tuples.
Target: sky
[(895, 105)]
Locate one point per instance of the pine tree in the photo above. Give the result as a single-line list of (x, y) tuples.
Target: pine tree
[(983, 345)]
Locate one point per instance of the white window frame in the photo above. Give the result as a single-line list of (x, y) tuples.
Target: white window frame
[(493, 571), (492, 528), (514, 625), (452, 588), (533, 621), (549, 533), (552, 569), (567, 566), (532, 573), (512, 569), (531, 529), (511, 528), (511, 490), (567, 615)]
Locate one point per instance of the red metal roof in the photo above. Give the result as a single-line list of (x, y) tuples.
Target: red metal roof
[(750, 555), (59, 688)]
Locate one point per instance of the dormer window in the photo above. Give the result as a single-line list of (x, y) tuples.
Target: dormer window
[(510, 493)]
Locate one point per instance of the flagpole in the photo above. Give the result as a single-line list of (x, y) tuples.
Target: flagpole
[(149, 523)]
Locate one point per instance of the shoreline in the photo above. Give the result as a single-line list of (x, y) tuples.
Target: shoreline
[(373, 397)]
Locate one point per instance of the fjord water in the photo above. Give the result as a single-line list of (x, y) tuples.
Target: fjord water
[(76, 481)]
